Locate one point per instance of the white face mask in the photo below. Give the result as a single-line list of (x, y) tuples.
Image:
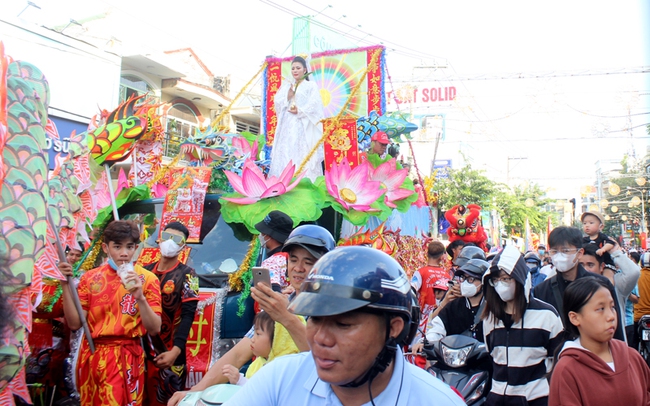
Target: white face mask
[(263, 240), (468, 289), (564, 262), (506, 291), (169, 249)]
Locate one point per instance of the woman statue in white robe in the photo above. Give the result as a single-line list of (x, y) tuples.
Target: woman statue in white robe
[(299, 109)]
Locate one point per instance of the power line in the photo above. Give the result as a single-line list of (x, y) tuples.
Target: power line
[(534, 75)]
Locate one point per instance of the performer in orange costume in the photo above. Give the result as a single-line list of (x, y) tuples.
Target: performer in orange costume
[(117, 318)]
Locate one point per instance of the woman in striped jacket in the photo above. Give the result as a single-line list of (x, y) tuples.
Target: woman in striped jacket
[(521, 333)]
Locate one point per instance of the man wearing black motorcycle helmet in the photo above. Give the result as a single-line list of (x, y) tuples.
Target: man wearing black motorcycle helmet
[(462, 316), (359, 304)]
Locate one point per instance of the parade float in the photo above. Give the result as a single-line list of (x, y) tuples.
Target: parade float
[(223, 183)]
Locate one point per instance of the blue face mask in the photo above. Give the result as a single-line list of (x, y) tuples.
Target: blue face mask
[(112, 263), (541, 252)]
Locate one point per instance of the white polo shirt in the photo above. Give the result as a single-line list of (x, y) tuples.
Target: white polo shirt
[(293, 380)]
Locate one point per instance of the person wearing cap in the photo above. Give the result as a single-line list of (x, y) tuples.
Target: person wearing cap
[(274, 230), (305, 245), (534, 263), (521, 333), (461, 316), (378, 145), (593, 223), (360, 310)]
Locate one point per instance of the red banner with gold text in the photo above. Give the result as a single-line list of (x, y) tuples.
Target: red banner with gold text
[(198, 349), (341, 143), (185, 198)]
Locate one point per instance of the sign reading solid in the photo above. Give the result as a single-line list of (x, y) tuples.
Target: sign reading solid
[(412, 94)]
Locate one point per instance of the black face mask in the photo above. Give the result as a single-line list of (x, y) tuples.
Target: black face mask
[(535, 269)]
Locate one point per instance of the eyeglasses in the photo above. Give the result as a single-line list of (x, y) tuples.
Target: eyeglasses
[(470, 279), (178, 239), (566, 251), (505, 280)]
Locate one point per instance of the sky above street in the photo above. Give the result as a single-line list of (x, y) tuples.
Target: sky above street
[(544, 89)]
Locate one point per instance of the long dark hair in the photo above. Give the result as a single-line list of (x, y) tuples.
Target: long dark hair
[(302, 61), (496, 307), (576, 296)]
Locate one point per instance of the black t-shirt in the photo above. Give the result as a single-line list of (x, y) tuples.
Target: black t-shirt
[(179, 289), (458, 317), (600, 242)]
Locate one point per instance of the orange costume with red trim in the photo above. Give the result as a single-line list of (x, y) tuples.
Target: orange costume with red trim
[(114, 374)]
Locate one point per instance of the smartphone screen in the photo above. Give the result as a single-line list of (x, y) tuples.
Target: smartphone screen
[(261, 275)]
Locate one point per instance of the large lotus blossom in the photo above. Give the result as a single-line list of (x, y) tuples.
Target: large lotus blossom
[(351, 187), (243, 147), (391, 179), (254, 186)]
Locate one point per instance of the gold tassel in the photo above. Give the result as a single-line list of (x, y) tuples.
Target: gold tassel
[(234, 280), (221, 115), (89, 263)]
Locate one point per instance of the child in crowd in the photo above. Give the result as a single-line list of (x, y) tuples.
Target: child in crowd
[(593, 368), (271, 340), (521, 333), (593, 223)]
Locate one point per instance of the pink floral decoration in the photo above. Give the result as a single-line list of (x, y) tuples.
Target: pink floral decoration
[(254, 186), (351, 187)]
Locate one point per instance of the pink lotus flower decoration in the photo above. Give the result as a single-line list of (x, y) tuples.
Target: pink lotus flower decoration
[(242, 147), (391, 179), (254, 186), (351, 187)]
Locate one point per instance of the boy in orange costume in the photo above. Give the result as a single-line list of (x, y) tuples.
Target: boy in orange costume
[(117, 318)]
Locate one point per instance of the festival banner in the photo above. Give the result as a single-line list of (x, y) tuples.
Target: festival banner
[(152, 254), (185, 198), (202, 346), (341, 143), (336, 73)]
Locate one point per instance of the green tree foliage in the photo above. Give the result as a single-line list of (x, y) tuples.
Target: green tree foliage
[(465, 186), (519, 203)]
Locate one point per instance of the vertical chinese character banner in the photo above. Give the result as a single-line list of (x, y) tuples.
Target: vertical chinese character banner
[(336, 73), (341, 143), (202, 348), (185, 198)]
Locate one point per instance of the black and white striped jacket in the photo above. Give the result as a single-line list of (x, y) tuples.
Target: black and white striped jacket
[(521, 353)]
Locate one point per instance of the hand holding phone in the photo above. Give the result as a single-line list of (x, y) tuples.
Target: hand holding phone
[(261, 275)]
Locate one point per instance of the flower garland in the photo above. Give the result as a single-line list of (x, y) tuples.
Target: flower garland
[(163, 172), (240, 281), (91, 257), (335, 122)]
